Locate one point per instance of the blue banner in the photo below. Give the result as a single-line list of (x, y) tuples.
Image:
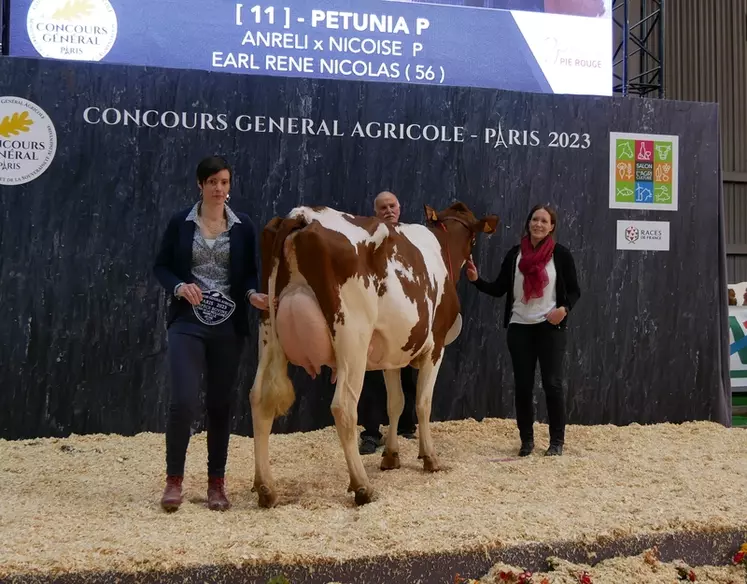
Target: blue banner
[(522, 45)]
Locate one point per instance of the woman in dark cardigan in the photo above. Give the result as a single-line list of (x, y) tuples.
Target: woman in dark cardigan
[(207, 252), (539, 278)]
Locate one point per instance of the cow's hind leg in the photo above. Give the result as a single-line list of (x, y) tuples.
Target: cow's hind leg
[(426, 381), (270, 396), (263, 482), (395, 403), (350, 372)]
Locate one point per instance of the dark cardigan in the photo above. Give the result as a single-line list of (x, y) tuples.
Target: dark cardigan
[(567, 291), (174, 264)]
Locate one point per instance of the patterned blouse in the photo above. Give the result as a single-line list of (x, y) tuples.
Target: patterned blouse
[(210, 256)]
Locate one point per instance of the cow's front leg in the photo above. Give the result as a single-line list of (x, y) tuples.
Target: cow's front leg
[(395, 403), (350, 372), (424, 400)]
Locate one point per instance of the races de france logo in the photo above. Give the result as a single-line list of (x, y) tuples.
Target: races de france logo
[(28, 141), (80, 30), (632, 234)]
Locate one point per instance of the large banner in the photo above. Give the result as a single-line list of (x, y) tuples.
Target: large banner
[(95, 158), (551, 46)]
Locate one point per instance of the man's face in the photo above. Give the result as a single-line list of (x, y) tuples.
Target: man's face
[(387, 208)]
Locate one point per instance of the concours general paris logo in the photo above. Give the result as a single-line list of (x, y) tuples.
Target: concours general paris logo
[(80, 30), (28, 141)]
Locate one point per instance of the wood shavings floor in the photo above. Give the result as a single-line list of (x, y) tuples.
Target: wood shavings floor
[(641, 569), (92, 502)]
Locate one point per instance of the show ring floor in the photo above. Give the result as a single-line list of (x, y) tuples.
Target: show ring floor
[(86, 508)]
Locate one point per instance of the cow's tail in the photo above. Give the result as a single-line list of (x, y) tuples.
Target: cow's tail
[(280, 395), (277, 392)]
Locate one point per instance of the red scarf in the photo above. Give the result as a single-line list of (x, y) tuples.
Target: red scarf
[(533, 266)]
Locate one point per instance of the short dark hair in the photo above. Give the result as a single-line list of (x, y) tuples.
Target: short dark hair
[(550, 211), (210, 166)]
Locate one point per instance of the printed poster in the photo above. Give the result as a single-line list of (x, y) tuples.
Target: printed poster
[(643, 171)]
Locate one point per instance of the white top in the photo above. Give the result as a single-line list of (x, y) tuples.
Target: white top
[(538, 308), (210, 242)]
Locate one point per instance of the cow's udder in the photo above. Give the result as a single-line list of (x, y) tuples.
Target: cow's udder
[(302, 330)]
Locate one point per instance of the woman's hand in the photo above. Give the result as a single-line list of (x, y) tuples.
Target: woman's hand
[(471, 270), (261, 301), (557, 315), (191, 292)]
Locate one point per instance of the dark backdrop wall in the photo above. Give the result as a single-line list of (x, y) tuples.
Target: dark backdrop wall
[(82, 343)]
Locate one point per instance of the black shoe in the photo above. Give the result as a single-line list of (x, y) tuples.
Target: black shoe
[(408, 434), (526, 448), (369, 444), (554, 450)]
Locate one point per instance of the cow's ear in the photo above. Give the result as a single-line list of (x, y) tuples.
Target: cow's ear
[(487, 224), (430, 214)]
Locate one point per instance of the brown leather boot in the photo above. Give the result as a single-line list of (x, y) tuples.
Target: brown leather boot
[(172, 494), (217, 500)]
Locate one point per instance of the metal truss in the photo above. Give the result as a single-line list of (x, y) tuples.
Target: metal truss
[(638, 60)]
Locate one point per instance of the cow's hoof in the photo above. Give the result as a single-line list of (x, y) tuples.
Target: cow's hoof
[(389, 461), (267, 497), (363, 495), (430, 464)]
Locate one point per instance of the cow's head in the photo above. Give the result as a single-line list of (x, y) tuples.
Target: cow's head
[(461, 228)]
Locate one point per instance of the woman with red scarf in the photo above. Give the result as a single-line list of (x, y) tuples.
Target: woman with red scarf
[(539, 277)]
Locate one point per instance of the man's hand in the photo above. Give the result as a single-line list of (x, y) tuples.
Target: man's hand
[(557, 315), (191, 292)]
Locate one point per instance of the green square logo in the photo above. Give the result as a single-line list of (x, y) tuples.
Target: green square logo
[(625, 149), (663, 152), (625, 191)]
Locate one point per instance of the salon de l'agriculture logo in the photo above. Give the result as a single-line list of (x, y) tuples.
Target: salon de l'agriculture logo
[(643, 171)]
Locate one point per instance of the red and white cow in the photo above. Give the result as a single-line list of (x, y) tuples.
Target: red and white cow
[(356, 294)]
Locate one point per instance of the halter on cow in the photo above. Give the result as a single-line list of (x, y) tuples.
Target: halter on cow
[(356, 294)]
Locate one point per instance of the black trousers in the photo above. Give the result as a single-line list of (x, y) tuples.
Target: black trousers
[(372, 410), (196, 352), (528, 344)]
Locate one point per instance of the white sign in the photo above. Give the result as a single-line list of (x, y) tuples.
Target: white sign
[(574, 53), (643, 235), (79, 30), (28, 140)]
